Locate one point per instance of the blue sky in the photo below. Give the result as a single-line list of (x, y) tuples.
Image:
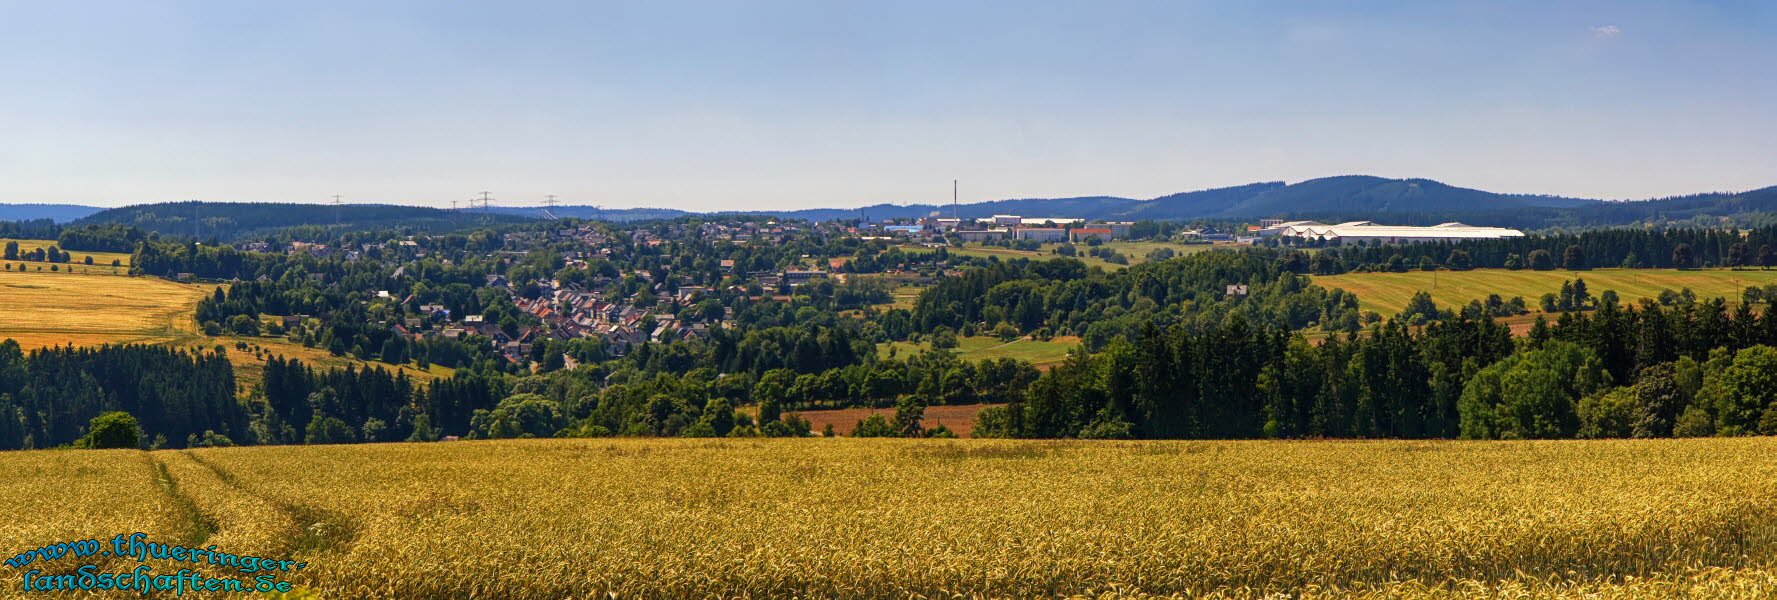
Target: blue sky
[(767, 104)]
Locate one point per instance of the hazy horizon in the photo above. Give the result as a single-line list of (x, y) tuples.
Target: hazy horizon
[(793, 105), (464, 205)]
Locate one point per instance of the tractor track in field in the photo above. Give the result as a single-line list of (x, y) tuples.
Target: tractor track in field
[(318, 530)]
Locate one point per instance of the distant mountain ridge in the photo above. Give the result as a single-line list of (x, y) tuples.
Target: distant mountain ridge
[(1346, 197), (235, 220), (1328, 195), (60, 213)]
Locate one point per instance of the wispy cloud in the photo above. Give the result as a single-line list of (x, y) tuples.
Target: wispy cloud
[(1606, 31)]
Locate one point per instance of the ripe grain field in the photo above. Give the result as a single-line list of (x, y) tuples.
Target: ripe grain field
[(973, 518), (1388, 293), (48, 309)]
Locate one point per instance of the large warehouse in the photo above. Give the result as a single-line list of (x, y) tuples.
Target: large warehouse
[(1352, 232)]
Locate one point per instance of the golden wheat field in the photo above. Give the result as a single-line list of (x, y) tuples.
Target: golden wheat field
[(49, 309), (930, 518)]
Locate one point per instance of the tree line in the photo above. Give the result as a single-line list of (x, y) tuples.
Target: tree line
[(48, 396), (1617, 371)]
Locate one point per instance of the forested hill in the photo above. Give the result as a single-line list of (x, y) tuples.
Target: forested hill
[(237, 220)]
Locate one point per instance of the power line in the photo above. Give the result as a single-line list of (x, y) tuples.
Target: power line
[(336, 219), (549, 202)]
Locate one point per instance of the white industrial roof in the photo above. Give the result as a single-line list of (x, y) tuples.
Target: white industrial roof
[(1367, 229)]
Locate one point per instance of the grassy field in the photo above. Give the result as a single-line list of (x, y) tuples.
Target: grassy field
[(905, 297), (101, 260), (982, 347), (46, 309), (934, 518), (1388, 293)]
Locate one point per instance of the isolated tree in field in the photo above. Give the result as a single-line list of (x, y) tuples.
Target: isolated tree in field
[(1005, 331), (1738, 254), (243, 325), (1541, 260), (910, 412), (12, 250), (1681, 256), (1460, 261), (112, 430), (1421, 305), (1581, 296), (88, 260), (1574, 259)]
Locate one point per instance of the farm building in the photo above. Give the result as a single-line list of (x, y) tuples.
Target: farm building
[(1370, 232)]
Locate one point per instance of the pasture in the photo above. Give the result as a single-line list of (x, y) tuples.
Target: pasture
[(981, 347), (1388, 293), (843, 517)]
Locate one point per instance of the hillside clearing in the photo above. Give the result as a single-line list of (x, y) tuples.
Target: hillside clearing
[(981, 347)]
